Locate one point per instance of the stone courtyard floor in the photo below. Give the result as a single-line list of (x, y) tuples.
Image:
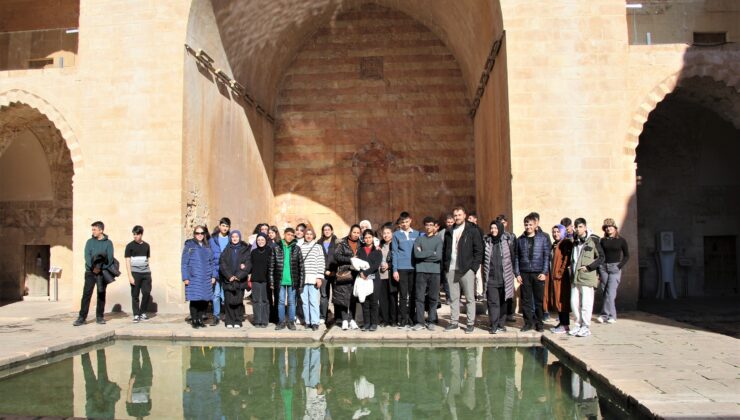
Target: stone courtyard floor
[(651, 364)]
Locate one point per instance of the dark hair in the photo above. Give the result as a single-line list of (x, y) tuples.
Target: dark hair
[(565, 221), (502, 218), (259, 226), (225, 221), (428, 219), (301, 225), (368, 231), (275, 230), (535, 215), (580, 221), (449, 216), (351, 228), (404, 215), (206, 237), (529, 218), (324, 227), (461, 208), (493, 222), (98, 225), (137, 230), (473, 213), (288, 230)]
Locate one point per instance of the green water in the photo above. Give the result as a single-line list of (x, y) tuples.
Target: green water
[(169, 380)]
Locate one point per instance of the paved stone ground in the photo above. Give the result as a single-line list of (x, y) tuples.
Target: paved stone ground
[(653, 364), (720, 314)]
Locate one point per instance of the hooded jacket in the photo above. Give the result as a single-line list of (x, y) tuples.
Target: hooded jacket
[(504, 251), (297, 271), (231, 260), (197, 266), (587, 252)]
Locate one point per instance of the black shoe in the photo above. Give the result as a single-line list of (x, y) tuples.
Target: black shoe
[(364, 327), (501, 329), (79, 321), (315, 327), (526, 328), (469, 329), (539, 328), (100, 320), (492, 331), (280, 326), (194, 324), (215, 321), (510, 318), (291, 326), (373, 328), (452, 327)]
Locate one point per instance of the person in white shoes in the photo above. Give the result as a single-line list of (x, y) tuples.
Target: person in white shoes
[(587, 257)]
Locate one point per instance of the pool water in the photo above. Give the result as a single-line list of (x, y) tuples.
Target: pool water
[(170, 380)]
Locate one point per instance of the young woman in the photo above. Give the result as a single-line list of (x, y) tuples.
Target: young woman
[(498, 273), (616, 253), (260, 228), (198, 274), (314, 266), (388, 291), (344, 302), (368, 252), (562, 250), (273, 236), (260, 260), (234, 266), (328, 242)]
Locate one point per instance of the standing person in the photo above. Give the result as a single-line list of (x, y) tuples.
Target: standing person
[(273, 236), (139, 275), (344, 302), (449, 223), (547, 292), (198, 275), (562, 249), (616, 255), (260, 228), (531, 266), (260, 263), (273, 294), (370, 253), (314, 267), (463, 255), (569, 229), (98, 257), (365, 225), (498, 273), (510, 237), (428, 251), (587, 258), (234, 268), (403, 268), (300, 232), (286, 273), (218, 242), (328, 243), (480, 284), (388, 293)]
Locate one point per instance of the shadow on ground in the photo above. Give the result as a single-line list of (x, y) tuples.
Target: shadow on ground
[(716, 314)]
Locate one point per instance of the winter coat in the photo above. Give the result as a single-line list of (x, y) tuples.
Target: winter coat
[(197, 265), (342, 291), (505, 254), (560, 274), (297, 273), (260, 259), (540, 262), (329, 264), (374, 259), (313, 261), (469, 249), (587, 253), (95, 247), (230, 265)]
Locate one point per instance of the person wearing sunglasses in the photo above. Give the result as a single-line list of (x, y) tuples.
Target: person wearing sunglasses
[(198, 274)]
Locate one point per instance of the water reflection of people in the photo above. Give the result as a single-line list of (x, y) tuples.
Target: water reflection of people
[(233, 384), (200, 394), (138, 397), (315, 396), (101, 394), (287, 365)]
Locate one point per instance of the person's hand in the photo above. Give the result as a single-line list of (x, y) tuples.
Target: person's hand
[(327, 273), (186, 281), (519, 279), (384, 266), (96, 270), (362, 275), (318, 283), (242, 266), (396, 277), (213, 280), (131, 280), (583, 269), (541, 277)]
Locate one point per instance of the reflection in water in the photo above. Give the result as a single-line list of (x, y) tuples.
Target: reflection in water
[(101, 394), (138, 397)]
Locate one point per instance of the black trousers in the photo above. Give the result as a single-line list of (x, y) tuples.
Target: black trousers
[(387, 304), (495, 296), (92, 281), (427, 290), (198, 309), (532, 289), (406, 292), (510, 306), (273, 296), (233, 313), (142, 285), (370, 311), (260, 303), (325, 291)]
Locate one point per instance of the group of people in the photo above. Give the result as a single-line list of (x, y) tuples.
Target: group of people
[(395, 274)]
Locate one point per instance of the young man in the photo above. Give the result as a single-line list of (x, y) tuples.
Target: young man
[(547, 293), (98, 257), (287, 273), (427, 254), (587, 258), (565, 221), (463, 255), (531, 267), (511, 238), (139, 275), (480, 285), (402, 250), (219, 242)]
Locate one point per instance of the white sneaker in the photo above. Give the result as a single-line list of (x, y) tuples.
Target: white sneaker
[(298, 321), (611, 321), (583, 332), (229, 326), (574, 331), (353, 325), (136, 318), (345, 325), (143, 317), (322, 321), (237, 326), (600, 319)]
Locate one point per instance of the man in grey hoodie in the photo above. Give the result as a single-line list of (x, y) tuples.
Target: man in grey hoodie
[(427, 254)]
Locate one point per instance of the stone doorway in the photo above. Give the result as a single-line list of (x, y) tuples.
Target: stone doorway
[(37, 263), (373, 196)]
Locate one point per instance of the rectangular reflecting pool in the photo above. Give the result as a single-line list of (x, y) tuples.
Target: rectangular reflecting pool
[(160, 380)]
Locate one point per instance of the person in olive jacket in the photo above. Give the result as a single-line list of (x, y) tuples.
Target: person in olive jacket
[(287, 274), (587, 258), (234, 266)]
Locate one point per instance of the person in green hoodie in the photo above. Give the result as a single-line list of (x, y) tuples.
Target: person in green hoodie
[(98, 257), (286, 273)]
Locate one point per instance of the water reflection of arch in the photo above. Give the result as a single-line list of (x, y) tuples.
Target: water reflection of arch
[(370, 167)]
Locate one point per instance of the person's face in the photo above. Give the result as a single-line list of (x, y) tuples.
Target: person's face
[(581, 230), (310, 236), (556, 234), (449, 222), (504, 223), (569, 229), (387, 235), (96, 232), (137, 237), (611, 230), (199, 234), (365, 225), (436, 227), (494, 230), (289, 236), (529, 227), (405, 224), (429, 228), (459, 216), (272, 235), (299, 233), (261, 241), (473, 219), (264, 229), (354, 234), (327, 232), (223, 228), (235, 238), (369, 240)]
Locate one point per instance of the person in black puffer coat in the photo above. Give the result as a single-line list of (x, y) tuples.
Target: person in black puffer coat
[(344, 303), (289, 281), (234, 266)]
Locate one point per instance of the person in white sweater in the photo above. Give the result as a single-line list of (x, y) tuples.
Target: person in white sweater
[(313, 261)]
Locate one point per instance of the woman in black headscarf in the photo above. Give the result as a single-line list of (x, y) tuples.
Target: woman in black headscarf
[(498, 274), (260, 258), (233, 271)]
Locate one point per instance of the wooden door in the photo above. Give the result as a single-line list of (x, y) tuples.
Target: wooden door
[(720, 264)]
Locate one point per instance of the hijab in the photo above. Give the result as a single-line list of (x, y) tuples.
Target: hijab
[(497, 238)]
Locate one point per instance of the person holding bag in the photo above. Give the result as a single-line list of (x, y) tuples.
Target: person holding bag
[(234, 266), (344, 302)]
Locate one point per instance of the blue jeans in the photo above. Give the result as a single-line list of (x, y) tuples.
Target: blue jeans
[(310, 298), (218, 297), (286, 292)]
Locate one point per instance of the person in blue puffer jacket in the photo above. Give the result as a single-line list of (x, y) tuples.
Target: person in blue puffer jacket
[(531, 266), (198, 274)]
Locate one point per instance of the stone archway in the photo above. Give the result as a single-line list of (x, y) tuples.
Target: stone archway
[(373, 198)]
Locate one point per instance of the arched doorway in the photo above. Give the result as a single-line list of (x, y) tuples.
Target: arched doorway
[(373, 191), (690, 140), (36, 172)]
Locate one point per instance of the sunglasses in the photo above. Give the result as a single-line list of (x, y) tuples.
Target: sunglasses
[(200, 233)]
